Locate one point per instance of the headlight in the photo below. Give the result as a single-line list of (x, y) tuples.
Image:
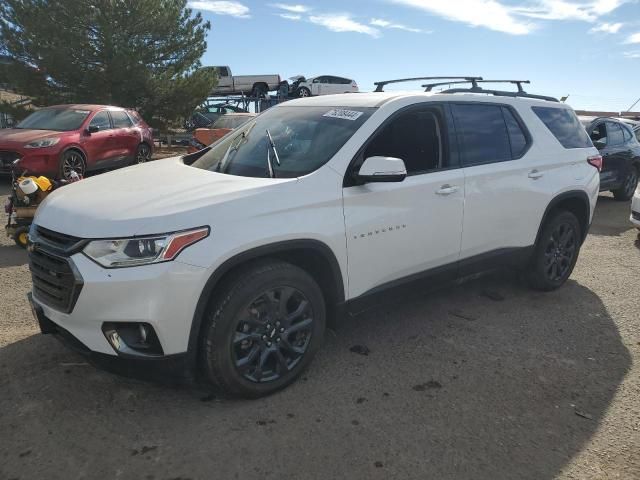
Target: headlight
[(130, 252), (47, 142)]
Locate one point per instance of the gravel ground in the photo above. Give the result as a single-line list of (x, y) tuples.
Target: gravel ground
[(487, 380)]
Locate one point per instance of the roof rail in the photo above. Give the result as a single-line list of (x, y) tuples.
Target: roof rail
[(380, 85), (500, 93)]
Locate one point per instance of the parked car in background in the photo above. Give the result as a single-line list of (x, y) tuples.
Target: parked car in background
[(635, 209), (203, 137), (620, 152), (253, 85), (635, 126), (205, 116), (323, 85), (56, 140)]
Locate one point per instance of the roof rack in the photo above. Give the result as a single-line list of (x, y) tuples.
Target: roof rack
[(501, 93), (380, 85)]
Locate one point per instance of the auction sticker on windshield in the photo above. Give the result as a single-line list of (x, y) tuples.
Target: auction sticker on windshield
[(344, 114)]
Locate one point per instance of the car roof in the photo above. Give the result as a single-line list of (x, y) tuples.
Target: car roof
[(86, 106), (377, 99)]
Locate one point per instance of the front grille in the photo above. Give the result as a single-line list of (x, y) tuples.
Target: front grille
[(7, 158), (635, 215), (56, 282), (59, 241)]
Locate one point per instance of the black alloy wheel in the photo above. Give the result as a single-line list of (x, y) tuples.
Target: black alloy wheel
[(262, 329), (560, 252), (556, 251), (272, 334), (628, 188)]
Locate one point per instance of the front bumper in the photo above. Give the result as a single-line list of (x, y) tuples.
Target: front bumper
[(167, 369), (36, 161)]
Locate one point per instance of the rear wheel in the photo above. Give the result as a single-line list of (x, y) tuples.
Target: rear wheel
[(72, 160), (556, 252), (628, 188), (263, 330), (259, 90), (143, 153)]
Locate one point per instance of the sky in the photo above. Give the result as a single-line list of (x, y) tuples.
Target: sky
[(587, 49)]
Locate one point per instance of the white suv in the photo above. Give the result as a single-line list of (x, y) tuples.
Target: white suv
[(230, 261)]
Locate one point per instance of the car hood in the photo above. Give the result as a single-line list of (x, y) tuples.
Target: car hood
[(156, 197), (18, 135)]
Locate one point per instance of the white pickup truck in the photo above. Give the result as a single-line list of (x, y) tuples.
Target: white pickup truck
[(254, 85)]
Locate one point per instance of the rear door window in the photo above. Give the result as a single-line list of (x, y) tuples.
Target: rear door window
[(120, 119), (101, 120), (616, 137), (482, 133), (564, 125), (517, 136)]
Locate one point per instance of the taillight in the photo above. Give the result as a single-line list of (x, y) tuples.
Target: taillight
[(596, 161)]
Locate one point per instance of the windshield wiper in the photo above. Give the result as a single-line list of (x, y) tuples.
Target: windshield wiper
[(272, 172)]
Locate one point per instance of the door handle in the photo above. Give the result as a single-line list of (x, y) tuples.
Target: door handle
[(447, 189), (535, 174)]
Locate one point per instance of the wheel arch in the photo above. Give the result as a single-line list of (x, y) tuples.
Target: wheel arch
[(313, 256), (255, 86), (574, 201)]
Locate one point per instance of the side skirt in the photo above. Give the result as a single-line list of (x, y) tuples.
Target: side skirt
[(440, 277)]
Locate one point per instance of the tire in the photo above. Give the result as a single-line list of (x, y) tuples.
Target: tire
[(143, 154), (625, 193), (71, 160), (249, 347), (20, 236), (259, 90), (556, 252), (304, 92)]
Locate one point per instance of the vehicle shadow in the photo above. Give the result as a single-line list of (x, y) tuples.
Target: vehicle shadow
[(488, 380), (611, 217), (13, 256)]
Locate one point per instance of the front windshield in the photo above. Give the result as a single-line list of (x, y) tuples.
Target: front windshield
[(60, 119), (305, 138)]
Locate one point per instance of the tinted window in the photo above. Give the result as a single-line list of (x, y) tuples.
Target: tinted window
[(615, 134), (120, 119), (413, 136), (101, 120), (564, 125), (627, 133), (598, 134), (483, 133), (517, 136), (305, 139), (60, 119)]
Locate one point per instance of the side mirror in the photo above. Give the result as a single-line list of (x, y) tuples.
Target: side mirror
[(599, 145), (382, 169), (92, 129)]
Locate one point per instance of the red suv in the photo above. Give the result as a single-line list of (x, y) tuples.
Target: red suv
[(55, 140)]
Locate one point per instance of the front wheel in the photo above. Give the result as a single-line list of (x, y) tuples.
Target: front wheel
[(304, 92), (263, 330), (628, 188), (72, 161), (556, 252)]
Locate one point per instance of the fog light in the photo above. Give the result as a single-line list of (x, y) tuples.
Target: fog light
[(132, 338)]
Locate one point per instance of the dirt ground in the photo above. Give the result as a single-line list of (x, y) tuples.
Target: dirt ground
[(487, 380)]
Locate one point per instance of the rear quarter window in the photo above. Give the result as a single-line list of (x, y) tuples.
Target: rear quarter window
[(565, 126)]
